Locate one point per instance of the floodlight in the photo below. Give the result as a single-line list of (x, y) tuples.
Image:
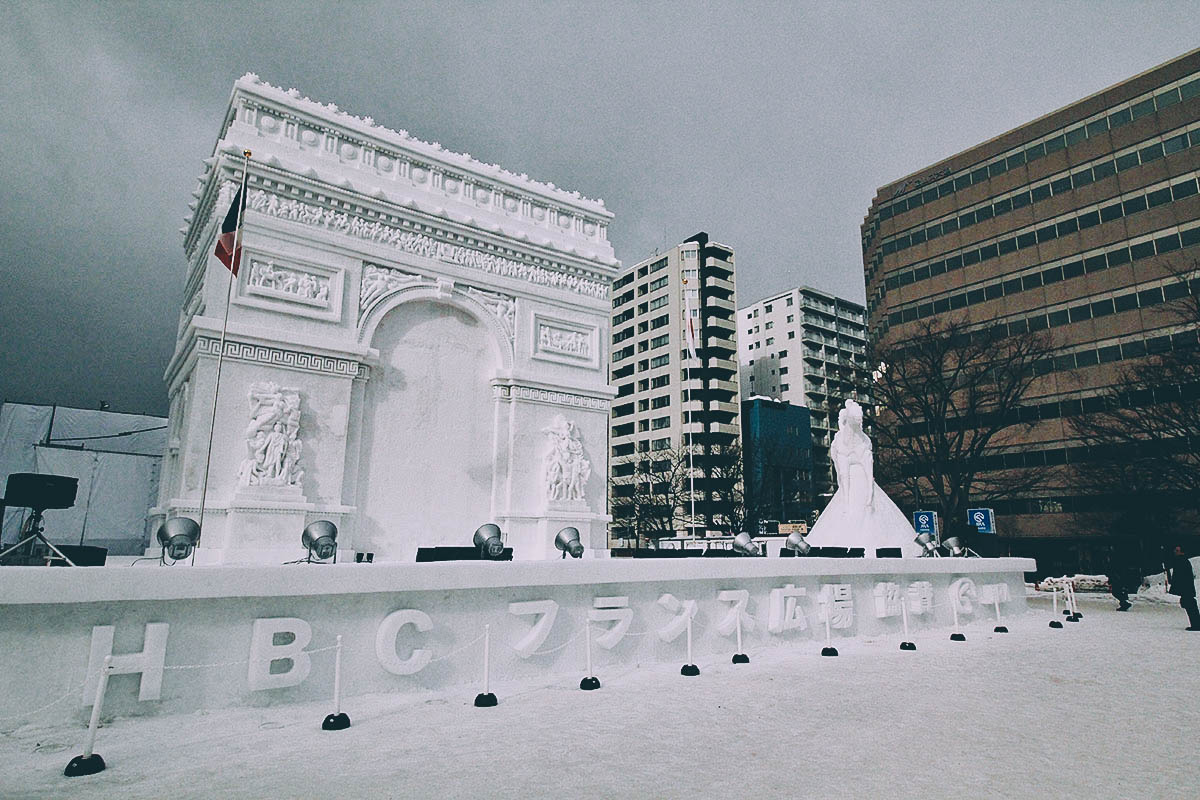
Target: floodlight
[(797, 542), (487, 539), (928, 545), (320, 539), (744, 546), (567, 540), (178, 535), (955, 546)]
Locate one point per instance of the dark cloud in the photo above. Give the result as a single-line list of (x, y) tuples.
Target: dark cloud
[(770, 126)]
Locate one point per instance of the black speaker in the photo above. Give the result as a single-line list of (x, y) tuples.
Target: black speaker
[(81, 555), (428, 554), (32, 490)]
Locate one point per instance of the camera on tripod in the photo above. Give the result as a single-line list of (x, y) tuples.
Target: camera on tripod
[(38, 493)]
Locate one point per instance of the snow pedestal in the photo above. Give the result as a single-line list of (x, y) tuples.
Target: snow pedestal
[(532, 538)]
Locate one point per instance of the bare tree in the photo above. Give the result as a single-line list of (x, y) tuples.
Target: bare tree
[(944, 396), (648, 493), (1144, 446), (724, 487)]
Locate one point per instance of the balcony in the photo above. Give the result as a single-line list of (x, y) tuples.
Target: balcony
[(715, 303), (719, 284), (719, 324)]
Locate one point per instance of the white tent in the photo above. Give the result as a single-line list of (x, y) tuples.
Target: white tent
[(116, 458)]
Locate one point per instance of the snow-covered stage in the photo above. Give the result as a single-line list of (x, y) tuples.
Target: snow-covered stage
[(212, 637)]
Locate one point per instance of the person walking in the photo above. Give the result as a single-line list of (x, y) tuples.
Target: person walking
[(1181, 582), (1120, 581)]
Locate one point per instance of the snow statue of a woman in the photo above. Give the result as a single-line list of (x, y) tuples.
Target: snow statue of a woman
[(859, 514)]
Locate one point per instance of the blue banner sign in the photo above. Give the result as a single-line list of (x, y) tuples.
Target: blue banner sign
[(982, 519)]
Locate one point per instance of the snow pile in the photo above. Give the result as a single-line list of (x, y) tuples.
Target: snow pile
[(789, 724), (1081, 583)]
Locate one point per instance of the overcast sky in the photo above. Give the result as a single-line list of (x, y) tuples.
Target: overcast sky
[(769, 126)]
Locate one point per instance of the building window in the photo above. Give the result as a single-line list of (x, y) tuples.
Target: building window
[(659, 361), (660, 423), (791, 334), (770, 341), (661, 402), (789, 301), (791, 317), (661, 444), (768, 309), (770, 325), (783, 387), (661, 381)]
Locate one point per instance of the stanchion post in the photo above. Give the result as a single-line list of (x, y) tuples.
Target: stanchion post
[(689, 669), (589, 681), (999, 627), (907, 644), (90, 762), (828, 649), (1056, 622), (739, 657), (486, 699), (956, 635), (337, 721)]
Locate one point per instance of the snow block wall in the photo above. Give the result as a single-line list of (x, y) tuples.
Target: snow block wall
[(186, 639)]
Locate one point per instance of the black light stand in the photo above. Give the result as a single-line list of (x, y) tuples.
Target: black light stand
[(38, 493)]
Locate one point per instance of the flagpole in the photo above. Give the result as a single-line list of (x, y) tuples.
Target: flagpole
[(235, 261)]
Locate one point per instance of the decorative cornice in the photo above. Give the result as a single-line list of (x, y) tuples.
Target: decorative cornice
[(408, 145), (420, 244), (510, 392), (279, 357)]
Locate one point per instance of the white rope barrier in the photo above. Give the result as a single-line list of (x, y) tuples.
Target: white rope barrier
[(61, 698)]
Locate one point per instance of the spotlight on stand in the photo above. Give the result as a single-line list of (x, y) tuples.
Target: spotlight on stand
[(567, 540), (798, 544), (487, 539), (743, 546), (928, 545), (178, 536), (320, 539), (955, 546)]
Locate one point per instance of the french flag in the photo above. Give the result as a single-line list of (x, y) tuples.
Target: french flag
[(229, 245)]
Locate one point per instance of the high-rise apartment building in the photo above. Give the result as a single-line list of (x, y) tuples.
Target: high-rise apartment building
[(668, 401), (1073, 224), (809, 349)]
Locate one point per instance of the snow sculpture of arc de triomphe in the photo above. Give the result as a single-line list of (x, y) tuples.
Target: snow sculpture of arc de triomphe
[(416, 345)]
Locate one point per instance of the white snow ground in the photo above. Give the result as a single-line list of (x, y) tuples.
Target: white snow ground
[(1107, 707)]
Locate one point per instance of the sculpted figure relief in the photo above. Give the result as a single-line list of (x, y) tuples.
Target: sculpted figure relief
[(567, 470), (860, 514), (273, 443)]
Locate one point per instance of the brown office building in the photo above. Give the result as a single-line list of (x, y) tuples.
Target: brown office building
[(1071, 224)]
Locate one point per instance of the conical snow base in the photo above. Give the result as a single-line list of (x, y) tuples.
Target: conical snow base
[(485, 700), (691, 670), (741, 658)]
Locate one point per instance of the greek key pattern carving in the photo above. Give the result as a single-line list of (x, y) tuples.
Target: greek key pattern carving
[(550, 397), (278, 357), (419, 244)]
